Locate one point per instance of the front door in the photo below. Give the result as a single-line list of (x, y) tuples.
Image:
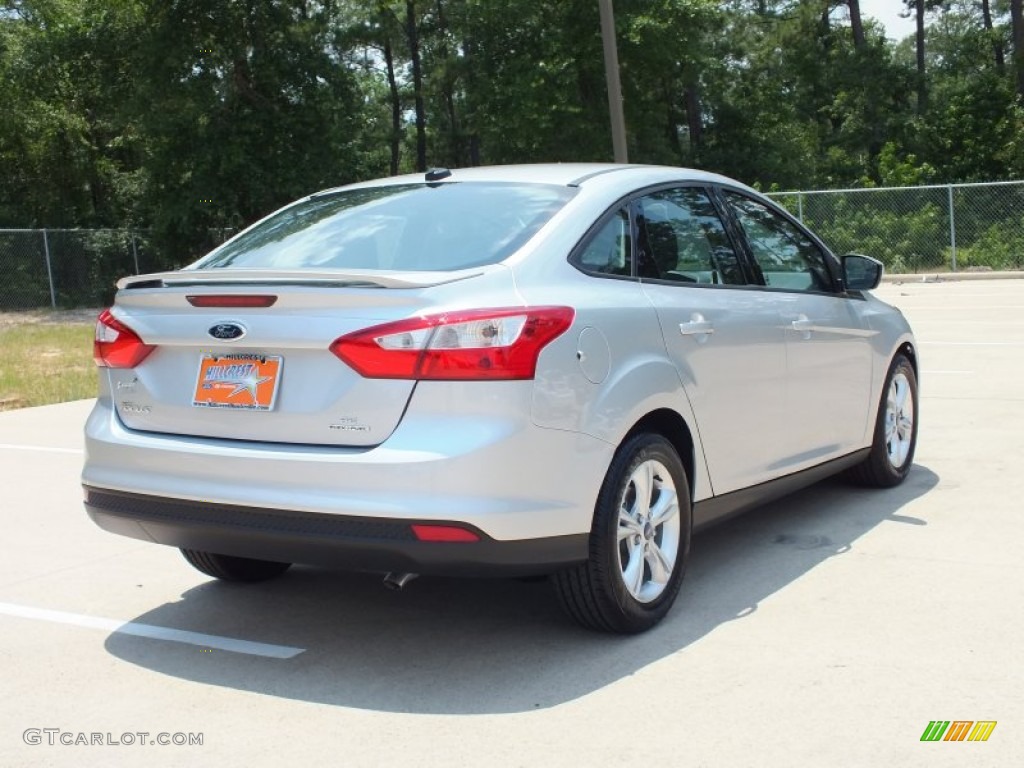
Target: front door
[(827, 342)]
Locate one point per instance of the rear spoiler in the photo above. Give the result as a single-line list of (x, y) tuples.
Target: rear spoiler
[(248, 278)]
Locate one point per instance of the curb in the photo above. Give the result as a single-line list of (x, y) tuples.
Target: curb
[(942, 277)]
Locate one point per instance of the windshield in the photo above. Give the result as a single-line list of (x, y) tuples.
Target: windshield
[(404, 227)]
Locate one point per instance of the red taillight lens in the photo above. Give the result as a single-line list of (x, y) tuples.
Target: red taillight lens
[(116, 345), (488, 344), (443, 533), (233, 300)]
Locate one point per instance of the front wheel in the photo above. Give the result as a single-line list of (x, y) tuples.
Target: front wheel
[(895, 437), (639, 543), (230, 568)]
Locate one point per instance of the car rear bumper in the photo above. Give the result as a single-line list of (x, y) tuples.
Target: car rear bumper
[(482, 466), (317, 539)]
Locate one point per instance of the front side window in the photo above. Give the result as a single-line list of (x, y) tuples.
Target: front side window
[(785, 255), (439, 227), (683, 239)]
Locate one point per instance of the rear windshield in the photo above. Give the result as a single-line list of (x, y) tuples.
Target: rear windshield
[(404, 227)]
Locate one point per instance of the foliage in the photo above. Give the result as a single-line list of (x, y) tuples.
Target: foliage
[(999, 247), (176, 117), (904, 238)]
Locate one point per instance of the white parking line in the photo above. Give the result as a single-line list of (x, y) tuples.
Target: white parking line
[(955, 308), (929, 373), (42, 448), (157, 633), (975, 343)]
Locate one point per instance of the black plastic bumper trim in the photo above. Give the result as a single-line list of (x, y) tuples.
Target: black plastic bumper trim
[(339, 541)]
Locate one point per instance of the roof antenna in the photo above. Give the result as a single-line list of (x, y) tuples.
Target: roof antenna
[(436, 174)]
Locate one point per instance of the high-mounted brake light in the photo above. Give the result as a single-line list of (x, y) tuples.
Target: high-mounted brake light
[(488, 344), (116, 345), (233, 300)]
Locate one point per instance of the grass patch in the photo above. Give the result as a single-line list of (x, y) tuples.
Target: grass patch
[(42, 363)]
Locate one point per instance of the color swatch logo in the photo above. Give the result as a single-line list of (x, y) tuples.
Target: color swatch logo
[(958, 730)]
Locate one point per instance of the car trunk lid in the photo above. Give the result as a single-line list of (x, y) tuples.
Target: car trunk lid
[(266, 373)]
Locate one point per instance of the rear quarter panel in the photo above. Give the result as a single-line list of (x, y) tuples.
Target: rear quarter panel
[(611, 368)]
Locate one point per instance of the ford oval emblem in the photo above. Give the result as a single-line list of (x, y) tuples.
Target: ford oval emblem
[(227, 331)]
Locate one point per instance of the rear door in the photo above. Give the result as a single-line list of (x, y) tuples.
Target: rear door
[(724, 338), (829, 360)]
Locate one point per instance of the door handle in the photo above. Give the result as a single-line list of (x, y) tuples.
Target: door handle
[(803, 326), (697, 326)]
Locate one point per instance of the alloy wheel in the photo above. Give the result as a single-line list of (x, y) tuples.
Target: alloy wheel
[(899, 420), (648, 531)]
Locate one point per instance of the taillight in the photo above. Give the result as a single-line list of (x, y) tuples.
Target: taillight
[(472, 344), (116, 345)]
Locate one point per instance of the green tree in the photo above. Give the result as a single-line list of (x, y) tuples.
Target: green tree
[(186, 116), (70, 150), (1017, 26), (245, 106), (534, 80), (973, 117)]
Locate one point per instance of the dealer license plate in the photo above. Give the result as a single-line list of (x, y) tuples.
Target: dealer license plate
[(248, 382)]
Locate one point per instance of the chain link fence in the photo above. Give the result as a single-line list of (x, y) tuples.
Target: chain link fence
[(75, 267), (910, 229), (952, 227)]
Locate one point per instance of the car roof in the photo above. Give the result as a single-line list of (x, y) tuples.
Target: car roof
[(562, 174)]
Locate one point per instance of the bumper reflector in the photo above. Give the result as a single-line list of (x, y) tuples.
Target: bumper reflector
[(443, 533)]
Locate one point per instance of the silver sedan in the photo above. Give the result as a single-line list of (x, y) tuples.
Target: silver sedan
[(556, 370)]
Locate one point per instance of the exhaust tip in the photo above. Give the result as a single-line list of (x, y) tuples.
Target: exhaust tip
[(395, 581)]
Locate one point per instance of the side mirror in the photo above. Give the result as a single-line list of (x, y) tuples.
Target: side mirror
[(861, 273)]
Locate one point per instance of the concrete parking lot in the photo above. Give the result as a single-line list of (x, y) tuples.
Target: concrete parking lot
[(827, 629)]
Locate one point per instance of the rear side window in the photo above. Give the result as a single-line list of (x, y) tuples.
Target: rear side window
[(609, 250), (443, 227)]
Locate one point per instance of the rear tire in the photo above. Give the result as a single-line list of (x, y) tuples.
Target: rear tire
[(892, 451), (230, 568), (639, 543)]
